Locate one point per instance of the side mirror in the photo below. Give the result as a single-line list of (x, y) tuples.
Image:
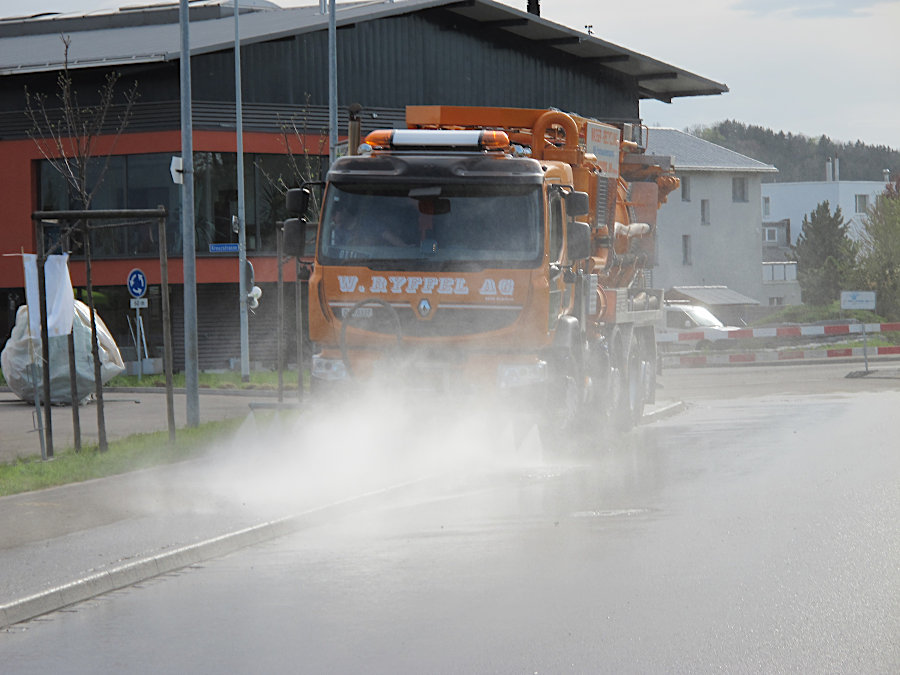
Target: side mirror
[(294, 241), (577, 204), (297, 200), (578, 240)]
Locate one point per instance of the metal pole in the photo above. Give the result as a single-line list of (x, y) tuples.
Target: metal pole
[(299, 305), (332, 84), (102, 445), (167, 325), (45, 345), (191, 348), (73, 388), (73, 374), (279, 340), (242, 225), (137, 343), (865, 347)]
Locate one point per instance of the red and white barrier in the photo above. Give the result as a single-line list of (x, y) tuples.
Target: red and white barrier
[(776, 355), (778, 332)]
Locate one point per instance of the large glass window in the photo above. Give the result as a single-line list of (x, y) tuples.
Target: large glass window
[(108, 192), (779, 271), (144, 182), (149, 185)]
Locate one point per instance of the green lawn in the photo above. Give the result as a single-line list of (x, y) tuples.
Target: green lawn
[(133, 453), (265, 380)]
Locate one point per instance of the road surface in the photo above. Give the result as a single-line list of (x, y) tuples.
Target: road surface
[(757, 531)]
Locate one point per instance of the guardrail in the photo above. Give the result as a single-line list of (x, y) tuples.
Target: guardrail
[(813, 330), (773, 355)]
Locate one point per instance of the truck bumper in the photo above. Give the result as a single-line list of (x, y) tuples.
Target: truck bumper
[(515, 379)]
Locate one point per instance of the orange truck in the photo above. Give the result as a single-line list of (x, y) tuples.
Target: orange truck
[(496, 251)]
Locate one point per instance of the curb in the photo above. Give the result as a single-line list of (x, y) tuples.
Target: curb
[(135, 572), (750, 359)]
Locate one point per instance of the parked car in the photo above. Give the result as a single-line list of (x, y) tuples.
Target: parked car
[(693, 327)]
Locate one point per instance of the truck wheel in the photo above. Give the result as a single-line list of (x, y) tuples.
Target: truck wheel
[(633, 377), (604, 396), (637, 384), (559, 424)]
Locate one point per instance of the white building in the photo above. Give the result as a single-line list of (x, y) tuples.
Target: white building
[(710, 231), (793, 201)]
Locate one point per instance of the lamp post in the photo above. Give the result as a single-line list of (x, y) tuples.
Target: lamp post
[(332, 83), (189, 263), (241, 221)]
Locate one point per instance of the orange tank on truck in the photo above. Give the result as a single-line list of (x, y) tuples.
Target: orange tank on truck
[(496, 250)]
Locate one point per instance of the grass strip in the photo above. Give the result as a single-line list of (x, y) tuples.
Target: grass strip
[(264, 380), (140, 451)]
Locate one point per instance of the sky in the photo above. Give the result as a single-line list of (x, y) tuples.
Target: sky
[(811, 67)]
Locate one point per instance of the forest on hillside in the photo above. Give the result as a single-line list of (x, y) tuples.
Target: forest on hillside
[(801, 158)]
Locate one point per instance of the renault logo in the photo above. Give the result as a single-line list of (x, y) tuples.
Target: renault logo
[(424, 307)]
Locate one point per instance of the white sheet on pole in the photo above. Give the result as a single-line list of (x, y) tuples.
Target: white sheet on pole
[(60, 299)]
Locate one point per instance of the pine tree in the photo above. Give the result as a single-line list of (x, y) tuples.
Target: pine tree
[(880, 254), (825, 256)]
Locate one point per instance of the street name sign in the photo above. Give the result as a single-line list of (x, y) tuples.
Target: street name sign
[(223, 248)]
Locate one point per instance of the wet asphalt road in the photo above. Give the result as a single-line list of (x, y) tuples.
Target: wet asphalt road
[(758, 531)]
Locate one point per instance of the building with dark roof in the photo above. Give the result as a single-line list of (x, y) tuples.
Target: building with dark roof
[(389, 55)]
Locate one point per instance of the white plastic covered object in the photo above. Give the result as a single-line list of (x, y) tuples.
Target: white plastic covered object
[(22, 351)]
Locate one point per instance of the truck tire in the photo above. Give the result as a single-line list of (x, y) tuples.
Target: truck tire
[(633, 379), (601, 397), (560, 423)]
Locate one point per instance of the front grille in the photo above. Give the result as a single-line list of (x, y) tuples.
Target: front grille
[(444, 322)]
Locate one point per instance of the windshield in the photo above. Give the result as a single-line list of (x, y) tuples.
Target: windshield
[(414, 226), (702, 317)]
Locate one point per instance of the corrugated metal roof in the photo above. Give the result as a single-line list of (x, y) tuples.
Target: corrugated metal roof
[(710, 295), (142, 35), (695, 154)]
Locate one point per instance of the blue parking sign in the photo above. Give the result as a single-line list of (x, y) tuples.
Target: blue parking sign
[(137, 283)]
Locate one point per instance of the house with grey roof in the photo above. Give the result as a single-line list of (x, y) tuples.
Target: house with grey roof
[(710, 231)]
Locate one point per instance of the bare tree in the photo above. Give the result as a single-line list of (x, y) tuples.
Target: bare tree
[(67, 135), (303, 166)]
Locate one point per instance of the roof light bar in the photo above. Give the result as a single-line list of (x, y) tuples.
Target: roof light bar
[(454, 139)]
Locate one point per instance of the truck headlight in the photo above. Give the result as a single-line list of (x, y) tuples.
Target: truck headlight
[(521, 374), (328, 369)]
